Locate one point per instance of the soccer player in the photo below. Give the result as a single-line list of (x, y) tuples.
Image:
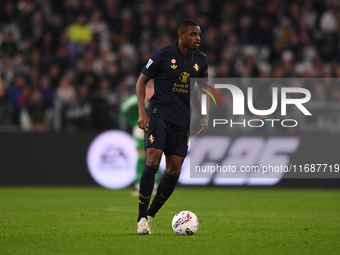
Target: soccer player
[(167, 122), (129, 110)]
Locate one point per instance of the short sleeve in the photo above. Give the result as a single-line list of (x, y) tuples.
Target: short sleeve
[(204, 72), (151, 68)]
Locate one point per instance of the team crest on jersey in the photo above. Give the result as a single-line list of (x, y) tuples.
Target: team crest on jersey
[(149, 63), (151, 139), (196, 67), (173, 66), (184, 77)]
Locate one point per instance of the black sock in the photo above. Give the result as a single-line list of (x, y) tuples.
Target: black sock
[(147, 181), (164, 191)]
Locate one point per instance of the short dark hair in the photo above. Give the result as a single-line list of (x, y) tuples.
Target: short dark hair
[(184, 24)]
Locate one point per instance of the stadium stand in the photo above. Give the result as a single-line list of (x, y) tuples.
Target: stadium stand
[(68, 65)]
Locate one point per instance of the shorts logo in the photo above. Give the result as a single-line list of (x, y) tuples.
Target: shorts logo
[(196, 67), (152, 139), (184, 77), (149, 63), (154, 110)]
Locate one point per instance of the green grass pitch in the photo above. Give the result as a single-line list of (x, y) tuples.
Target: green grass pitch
[(93, 220)]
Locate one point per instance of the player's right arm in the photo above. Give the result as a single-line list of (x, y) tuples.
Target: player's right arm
[(143, 120), (148, 72)]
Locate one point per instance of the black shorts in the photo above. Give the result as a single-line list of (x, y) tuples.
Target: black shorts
[(170, 138)]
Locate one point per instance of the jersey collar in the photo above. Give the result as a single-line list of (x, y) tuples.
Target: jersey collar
[(180, 54)]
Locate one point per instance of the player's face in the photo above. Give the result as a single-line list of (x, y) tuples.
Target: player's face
[(191, 37)]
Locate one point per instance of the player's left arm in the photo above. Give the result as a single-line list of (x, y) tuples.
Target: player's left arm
[(205, 118)]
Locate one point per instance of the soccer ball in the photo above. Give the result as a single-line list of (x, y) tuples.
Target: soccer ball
[(185, 223)]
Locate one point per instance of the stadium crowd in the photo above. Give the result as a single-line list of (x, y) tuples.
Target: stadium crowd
[(68, 65)]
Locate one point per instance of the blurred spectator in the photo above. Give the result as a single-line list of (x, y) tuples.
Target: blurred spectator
[(63, 60), (88, 78), (56, 26), (20, 66), (69, 11), (46, 91), (70, 47), (105, 58), (3, 103), (329, 19), (8, 73), (8, 14), (161, 25), (128, 27), (113, 75), (26, 8), (37, 26), (309, 13), (244, 31), (46, 8), (275, 52), (36, 110), (112, 14), (36, 60), (64, 95), (54, 75), (99, 27), (79, 32), (77, 111), (230, 14), (48, 47), (15, 98), (105, 107), (9, 46), (26, 46), (86, 7), (264, 34)]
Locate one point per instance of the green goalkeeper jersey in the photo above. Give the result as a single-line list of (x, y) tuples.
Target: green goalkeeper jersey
[(129, 110)]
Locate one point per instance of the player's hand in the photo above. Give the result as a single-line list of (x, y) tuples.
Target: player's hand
[(143, 122), (204, 124)]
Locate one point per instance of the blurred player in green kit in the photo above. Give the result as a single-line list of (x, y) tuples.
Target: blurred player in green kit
[(129, 110)]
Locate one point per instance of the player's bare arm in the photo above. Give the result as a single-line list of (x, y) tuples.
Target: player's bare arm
[(143, 120)]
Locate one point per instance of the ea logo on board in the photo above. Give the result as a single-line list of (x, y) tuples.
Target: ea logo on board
[(112, 159)]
